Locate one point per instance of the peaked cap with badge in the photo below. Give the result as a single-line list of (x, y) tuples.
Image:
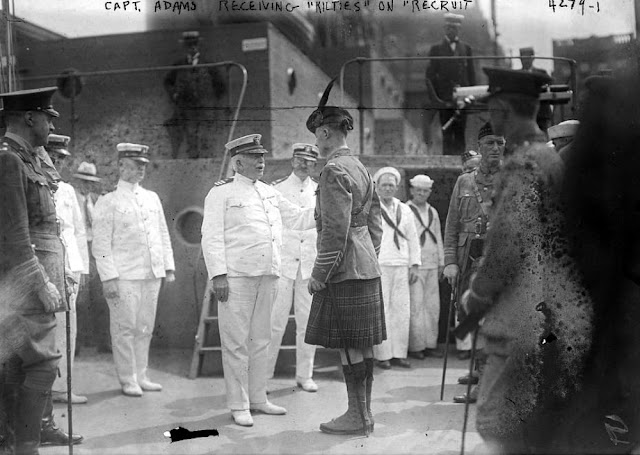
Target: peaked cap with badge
[(308, 152), (137, 152), (324, 114), (59, 144), (249, 144), (37, 99)]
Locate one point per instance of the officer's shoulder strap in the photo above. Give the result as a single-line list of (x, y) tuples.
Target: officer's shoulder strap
[(223, 182), (275, 182)]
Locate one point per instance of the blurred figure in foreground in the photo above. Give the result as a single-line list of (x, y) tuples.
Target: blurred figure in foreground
[(537, 315), (603, 201)]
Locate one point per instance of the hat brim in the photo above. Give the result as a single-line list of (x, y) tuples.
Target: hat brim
[(90, 178), (252, 152), (51, 111), (62, 152)]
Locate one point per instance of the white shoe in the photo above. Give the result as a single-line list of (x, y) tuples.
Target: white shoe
[(149, 386), (308, 385), (268, 408), (242, 418), (132, 390)]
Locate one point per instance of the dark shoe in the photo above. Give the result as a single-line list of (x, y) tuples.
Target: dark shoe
[(437, 353), (468, 379), (404, 363), (51, 435), (473, 396), (351, 422), (416, 355), (464, 355), (384, 364)]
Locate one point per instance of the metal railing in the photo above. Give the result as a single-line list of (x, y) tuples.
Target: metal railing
[(362, 60), (127, 71)]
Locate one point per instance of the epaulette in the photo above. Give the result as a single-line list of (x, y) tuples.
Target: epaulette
[(275, 182), (314, 179), (223, 181), (4, 147)]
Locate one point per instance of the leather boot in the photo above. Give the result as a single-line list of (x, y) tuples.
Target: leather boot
[(351, 422), (28, 417), (50, 434), (368, 365)]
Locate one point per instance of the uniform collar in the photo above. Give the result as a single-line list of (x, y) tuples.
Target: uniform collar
[(238, 177), (20, 142), (294, 178), (342, 151), (127, 186)]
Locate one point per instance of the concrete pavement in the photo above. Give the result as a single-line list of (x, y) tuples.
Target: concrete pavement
[(408, 414)]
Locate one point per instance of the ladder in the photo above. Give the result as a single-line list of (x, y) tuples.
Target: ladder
[(206, 320)]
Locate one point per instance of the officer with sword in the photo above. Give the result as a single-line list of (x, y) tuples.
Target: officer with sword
[(464, 233)]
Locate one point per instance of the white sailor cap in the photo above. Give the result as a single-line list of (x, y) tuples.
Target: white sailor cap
[(421, 181), (387, 170)]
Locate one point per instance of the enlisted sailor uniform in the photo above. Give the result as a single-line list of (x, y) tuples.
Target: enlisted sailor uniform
[(242, 238), (298, 255), (425, 292), (131, 243), (399, 250)]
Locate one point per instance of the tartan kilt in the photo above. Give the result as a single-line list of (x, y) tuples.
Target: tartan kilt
[(360, 305)]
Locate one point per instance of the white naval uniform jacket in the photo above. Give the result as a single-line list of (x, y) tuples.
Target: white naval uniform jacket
[(72, 229), (298, 247), (409, 252), (130, 236), (242, 227)]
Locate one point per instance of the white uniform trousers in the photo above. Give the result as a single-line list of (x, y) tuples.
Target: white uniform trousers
[(425, 311), (245, 332), (296, 292), (133, 317), (60, 384), (397, 312)]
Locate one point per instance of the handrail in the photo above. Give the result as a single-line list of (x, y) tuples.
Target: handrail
[(234, 121), (361, 60)]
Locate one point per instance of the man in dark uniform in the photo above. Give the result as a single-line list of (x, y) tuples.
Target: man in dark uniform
[(196, 94), (346, 311), (537, 316), (444, 75), (31, 268), (466, 223), (544, 118)]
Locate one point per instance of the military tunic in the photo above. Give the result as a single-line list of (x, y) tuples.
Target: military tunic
[(31, 253), (537, 315), (466, 226), (349, 228)]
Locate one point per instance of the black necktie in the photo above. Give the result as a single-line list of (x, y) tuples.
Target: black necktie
[(396, 230)]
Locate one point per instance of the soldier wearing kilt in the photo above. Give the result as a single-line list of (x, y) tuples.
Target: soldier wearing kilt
[(347, 310)]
